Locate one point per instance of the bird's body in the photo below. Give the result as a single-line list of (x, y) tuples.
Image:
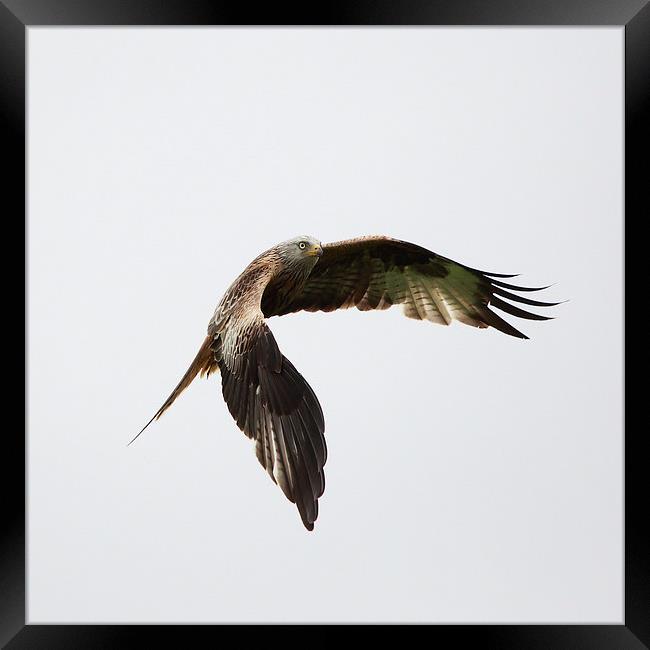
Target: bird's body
[(270, 401)]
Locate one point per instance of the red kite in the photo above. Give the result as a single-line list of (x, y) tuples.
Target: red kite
[(268, 398)]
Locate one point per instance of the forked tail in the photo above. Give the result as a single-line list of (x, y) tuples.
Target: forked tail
[(203, 363)]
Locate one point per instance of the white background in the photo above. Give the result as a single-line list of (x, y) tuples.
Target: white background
[(471, 477)]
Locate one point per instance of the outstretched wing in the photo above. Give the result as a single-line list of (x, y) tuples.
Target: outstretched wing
[(377, 272), (274, 405)]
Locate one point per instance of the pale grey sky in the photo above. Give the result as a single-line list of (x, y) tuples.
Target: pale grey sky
[(471, 477)]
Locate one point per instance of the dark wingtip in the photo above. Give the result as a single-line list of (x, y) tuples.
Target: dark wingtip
[(500, 275), (522, 299), (490, 274), (514, 287), (495, 301)]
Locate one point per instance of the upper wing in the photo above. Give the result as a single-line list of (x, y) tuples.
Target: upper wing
[(377, 272), (273, 404)]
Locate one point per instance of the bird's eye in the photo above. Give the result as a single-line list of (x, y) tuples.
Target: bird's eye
[(302, 245)]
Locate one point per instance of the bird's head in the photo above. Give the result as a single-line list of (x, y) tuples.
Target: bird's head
[(303, 250)]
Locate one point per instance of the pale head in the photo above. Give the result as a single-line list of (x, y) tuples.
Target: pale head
[(302, 250)]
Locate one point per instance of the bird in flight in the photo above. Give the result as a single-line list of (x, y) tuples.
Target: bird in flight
[(265, 394)]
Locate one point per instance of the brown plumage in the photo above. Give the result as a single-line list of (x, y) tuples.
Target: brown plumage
[(268, 398)]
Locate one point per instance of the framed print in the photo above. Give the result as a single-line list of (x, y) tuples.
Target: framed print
[(477, 482)]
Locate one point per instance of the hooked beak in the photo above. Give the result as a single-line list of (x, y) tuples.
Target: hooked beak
[(316, 251)]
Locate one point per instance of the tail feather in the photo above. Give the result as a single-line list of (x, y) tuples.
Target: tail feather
[(203, 363)]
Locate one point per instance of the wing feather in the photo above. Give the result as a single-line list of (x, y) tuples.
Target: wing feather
[(274, 405), (378, 272)]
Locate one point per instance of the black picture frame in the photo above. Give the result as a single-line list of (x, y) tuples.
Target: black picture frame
[(634, 15)]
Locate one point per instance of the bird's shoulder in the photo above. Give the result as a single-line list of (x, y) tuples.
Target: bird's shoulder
[(241, 300)]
